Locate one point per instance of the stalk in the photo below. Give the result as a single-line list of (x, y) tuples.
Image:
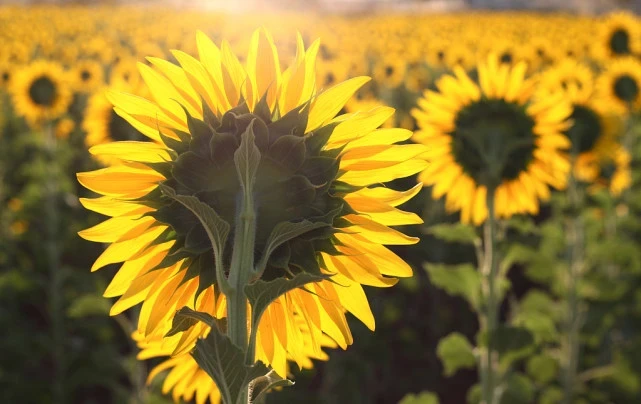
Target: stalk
[(52, 252), (576, 244), (489, 272)]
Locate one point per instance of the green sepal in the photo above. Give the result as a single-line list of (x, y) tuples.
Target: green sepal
[(200, 134), (455, 352), (303, 257), (315, 141), (289, 152), (261, 109), (164, 168), (457, 280), (292, 123), (208, 115), (193, 171), (224, 362), (179, 146), (282, 233), (320, 170)]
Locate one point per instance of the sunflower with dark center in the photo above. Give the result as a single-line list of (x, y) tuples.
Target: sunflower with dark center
[(594, 128), (314, 166), (620, 84), (492, 135), (40, 92), (103, 125), (619, 34), (89, 75), (611, 171)]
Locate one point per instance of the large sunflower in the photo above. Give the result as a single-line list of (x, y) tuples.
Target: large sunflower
[(620, 83), (492, 135), (313, 166), (40, 91)]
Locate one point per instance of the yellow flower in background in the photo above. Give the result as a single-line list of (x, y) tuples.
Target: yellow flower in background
[(41, 91), (64, 127), (620, 84), (88, 75), (314, 166), (609, 170), (103, 125), (492, 134), (618, 35)]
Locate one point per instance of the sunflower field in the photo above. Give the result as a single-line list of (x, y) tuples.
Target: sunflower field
[(292, 207)]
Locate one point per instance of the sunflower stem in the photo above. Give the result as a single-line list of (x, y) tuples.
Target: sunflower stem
[(489, 272), (52, 252), (575, 239)]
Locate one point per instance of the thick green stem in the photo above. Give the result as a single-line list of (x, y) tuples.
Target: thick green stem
[(489, 272), (242, 266), (576, 244), (52, 252)]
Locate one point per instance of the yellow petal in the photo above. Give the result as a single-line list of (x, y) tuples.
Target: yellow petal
[(330, 102)]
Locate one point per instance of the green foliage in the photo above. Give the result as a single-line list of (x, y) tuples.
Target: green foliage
[(542, 368), (420, 398), (458, 280), (455, 352), (224, 362), (454, 233)]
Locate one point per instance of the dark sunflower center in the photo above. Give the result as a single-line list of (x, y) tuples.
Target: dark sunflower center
[(586, 129), (85, 75), (620, 42), (493, 140), (506, 57), (607, 170), (5, 77), (42, 91), (294, 182), (329, 78), (121, 130), (389, 70), (626, 88), (440, 55)]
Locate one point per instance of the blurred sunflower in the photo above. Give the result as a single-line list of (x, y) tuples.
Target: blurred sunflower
[(41, 91), (609, 170), (88, 75), (389, 71), (6, 71), (620, 83), (492, 135), (619, 34), (314, 166), (569, 76), (103, 125)]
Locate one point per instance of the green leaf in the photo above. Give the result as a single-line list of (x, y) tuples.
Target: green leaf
[(264, 384), (217, 228), (185, 318), (88, 305), (261, 294), (474, 394), (456, 352), (421, 398), (542, 368), (457, 280), (519, 390), (551, 395), (512, 344), (282, 233), (454, 233), (224, 362), (247, 158)]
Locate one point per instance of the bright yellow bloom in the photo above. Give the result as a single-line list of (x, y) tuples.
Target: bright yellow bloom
[(492, 134), (314, 166)]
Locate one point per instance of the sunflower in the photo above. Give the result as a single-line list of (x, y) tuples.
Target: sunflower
[(621, 85), (619, 34), (88, 75), (569, 76), (40, 91), (609, 170), (103, 125), (6, 71), (492, 135), (315, 166), (389, 71)]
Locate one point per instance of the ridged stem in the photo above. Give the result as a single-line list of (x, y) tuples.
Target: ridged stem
[(489, 272)]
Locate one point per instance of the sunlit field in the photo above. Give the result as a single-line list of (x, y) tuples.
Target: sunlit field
[(292, 207)]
